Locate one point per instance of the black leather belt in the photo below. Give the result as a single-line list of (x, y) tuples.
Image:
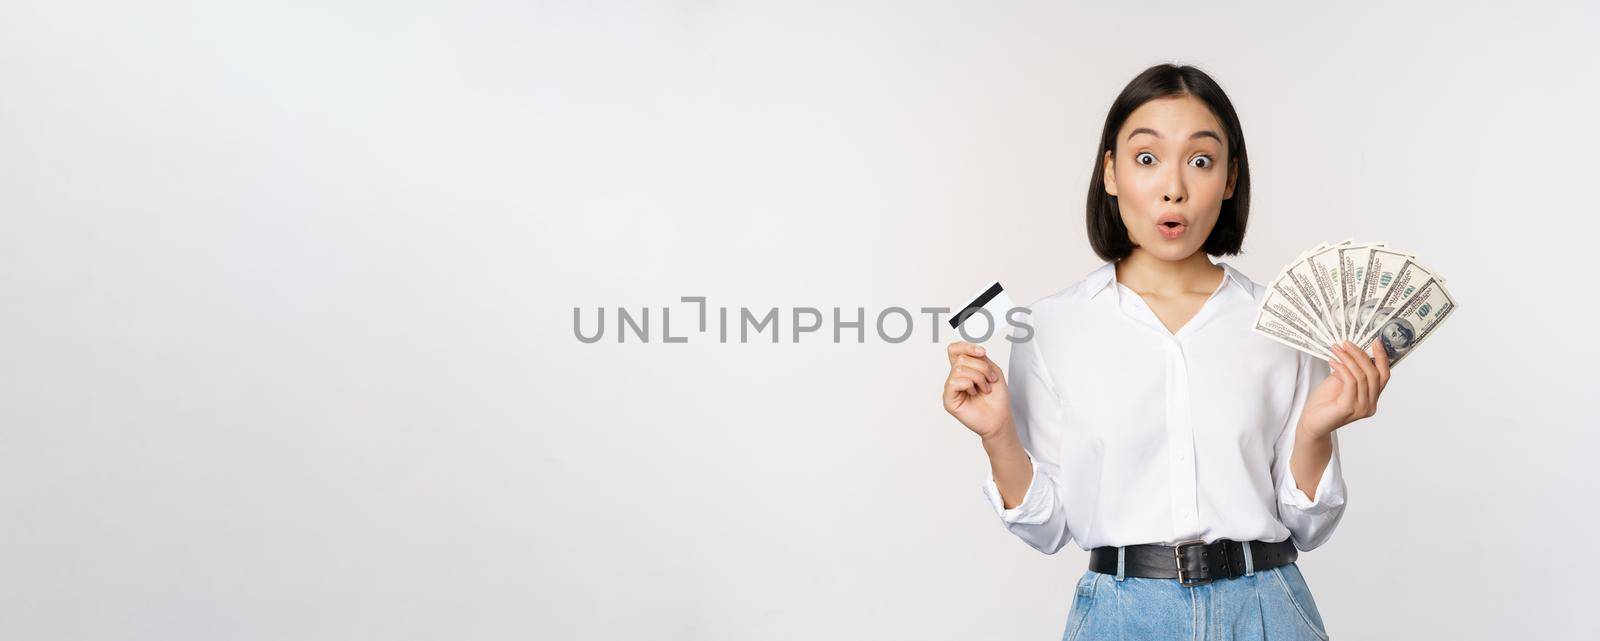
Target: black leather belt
[(1195, 562)]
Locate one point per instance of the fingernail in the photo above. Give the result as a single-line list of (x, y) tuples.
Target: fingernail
[(980, 350)]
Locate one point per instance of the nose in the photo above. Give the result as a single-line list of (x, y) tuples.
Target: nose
[(1174, 191)]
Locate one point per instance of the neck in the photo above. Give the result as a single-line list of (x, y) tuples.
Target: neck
[(1145, 273)]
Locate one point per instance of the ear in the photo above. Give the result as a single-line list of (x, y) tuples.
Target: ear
[(1110, 174), (1233, 177)]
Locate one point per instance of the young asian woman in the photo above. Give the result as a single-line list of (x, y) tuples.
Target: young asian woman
[(1144, 420)]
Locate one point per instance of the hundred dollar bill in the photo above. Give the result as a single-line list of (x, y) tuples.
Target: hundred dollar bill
[(1304, 279), (1403, 331), (1281, 332), (1283, 303), (1406, 282), (1352, 267), (1383, 265), (1360, 292), (1286, 287), (1325, 275)]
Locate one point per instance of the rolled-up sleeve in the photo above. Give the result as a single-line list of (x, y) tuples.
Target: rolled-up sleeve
[(1310, 520), (1039, 519)]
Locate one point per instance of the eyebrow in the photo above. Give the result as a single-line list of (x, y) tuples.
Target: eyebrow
[(1203, 133)]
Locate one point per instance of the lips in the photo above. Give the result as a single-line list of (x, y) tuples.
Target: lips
[(1172, 225)]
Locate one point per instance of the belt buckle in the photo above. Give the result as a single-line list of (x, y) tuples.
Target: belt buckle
[(1177, 555)]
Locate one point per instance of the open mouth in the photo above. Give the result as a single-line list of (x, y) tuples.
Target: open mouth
[(1171, 227)]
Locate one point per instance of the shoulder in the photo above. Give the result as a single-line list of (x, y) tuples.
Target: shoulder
[(1257, 291), (1050, 313), (1077, 293)]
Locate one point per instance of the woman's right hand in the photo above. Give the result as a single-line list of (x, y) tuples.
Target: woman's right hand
[(976, 393)]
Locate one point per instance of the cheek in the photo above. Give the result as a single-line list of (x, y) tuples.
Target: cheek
[(1207, 184), (1205, 194), (1141, 183), (1137, 192)]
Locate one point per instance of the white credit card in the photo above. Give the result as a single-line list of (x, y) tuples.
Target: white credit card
[(984, 317)]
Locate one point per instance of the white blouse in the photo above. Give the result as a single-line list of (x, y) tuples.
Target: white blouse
[(1138, 435)]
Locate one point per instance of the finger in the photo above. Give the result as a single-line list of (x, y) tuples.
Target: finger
[(977, 375), (984, 365), (980, 385), (955, 387), (1381, 355), (1372, 379), (1364, 362), (1369, 372), (962, 347), (1340, 371), (1348, 390), (1352, 360)]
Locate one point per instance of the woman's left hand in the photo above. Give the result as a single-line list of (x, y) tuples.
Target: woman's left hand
[(1351, 393)]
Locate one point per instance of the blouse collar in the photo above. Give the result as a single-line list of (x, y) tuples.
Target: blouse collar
[(1102, 277)]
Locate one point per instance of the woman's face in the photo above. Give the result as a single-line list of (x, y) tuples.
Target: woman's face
[(1170, 173)]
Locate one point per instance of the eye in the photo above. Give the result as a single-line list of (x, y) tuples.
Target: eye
[(1143, 154), (1204, 165)]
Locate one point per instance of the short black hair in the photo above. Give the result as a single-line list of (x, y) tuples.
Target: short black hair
[(1107, 235)]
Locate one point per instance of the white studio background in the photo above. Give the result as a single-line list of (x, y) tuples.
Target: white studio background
[(288, 348)]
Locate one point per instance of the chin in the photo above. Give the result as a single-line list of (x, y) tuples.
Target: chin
[(1165, 250)]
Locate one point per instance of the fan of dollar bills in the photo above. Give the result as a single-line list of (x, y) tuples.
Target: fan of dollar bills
[(1357, 292)]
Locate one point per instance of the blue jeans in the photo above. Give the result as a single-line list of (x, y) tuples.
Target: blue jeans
[(1270, 604)]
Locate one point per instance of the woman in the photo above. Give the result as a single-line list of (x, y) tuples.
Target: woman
[(1145, 420)]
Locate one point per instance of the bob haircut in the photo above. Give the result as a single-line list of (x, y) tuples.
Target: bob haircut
[(1107, 235)]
